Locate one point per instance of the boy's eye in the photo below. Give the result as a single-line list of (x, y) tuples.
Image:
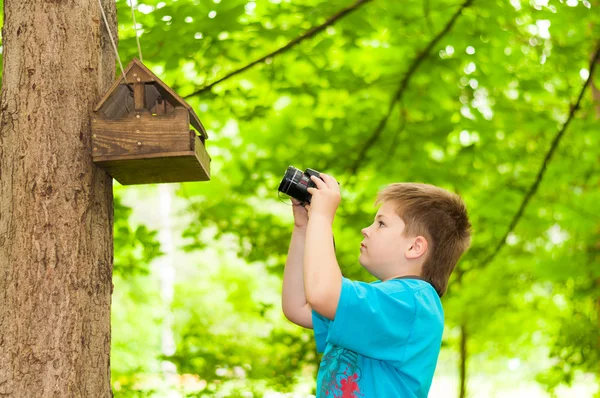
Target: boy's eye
[(381, 224)]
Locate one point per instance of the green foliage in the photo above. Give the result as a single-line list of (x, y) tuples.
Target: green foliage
[(135, 247), (476, 116), (230, 330), (134, 348)]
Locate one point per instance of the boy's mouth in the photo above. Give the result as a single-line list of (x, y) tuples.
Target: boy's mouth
[(363, 246)]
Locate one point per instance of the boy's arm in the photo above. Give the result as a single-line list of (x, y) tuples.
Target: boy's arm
[(295, 307), (322, 275)]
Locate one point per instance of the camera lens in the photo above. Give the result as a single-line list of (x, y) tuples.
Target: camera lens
[(295, 184)]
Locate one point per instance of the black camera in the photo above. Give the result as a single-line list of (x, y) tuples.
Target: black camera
[(295, 183)]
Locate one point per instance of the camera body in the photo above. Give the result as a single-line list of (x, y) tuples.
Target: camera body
[(296, 182)]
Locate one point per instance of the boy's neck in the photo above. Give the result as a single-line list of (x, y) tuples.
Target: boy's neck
[(414, 270)]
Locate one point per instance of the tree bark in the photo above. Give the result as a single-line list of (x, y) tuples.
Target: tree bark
[(463, 362), (56, 206)]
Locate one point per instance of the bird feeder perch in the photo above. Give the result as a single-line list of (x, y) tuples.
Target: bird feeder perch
[(141, 132)]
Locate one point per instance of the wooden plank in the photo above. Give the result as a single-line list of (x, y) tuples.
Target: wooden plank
[(157, 168), (152, 97), (136, 71), (118, 104), (140, 75), (139, 96), (113, 87), (170, 94), (143, 135), (202, 156), (160, 106)]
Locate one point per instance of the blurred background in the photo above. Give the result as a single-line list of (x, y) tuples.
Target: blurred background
[(495, 100)]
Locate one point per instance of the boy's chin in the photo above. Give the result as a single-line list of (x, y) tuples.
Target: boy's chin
[(370, 269), (362, 262), (366, 266)]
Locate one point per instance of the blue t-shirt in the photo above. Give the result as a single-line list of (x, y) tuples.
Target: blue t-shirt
[(384, 341)]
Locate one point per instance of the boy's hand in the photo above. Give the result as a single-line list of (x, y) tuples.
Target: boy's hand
[(325, 197), (300, 213)]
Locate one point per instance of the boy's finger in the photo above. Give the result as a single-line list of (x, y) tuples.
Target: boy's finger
[(330, 181), (318, 182)]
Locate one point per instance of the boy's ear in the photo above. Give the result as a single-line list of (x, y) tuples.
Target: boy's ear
[(417, 249)]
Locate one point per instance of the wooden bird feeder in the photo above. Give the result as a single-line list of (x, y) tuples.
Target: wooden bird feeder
[(141, 132)]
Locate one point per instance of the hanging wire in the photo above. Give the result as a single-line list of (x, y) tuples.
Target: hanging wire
[(112, 40), (137, 39), (282, 200)]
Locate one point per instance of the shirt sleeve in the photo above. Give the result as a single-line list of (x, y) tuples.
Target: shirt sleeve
[(373, 320), (321, 330)]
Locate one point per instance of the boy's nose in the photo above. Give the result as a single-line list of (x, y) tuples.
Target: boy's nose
[(364, 232)]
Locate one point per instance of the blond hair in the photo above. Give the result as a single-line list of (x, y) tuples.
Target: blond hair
[(441, 218)]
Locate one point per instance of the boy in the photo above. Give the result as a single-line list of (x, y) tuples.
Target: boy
[(381, 339)]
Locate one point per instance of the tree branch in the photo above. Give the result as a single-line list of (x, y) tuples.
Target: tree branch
[(308, 34), (402, 88), (394, 144), (540, 175)]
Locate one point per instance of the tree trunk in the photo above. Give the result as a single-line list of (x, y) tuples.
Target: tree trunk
[(56, 208), (463, 362)]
